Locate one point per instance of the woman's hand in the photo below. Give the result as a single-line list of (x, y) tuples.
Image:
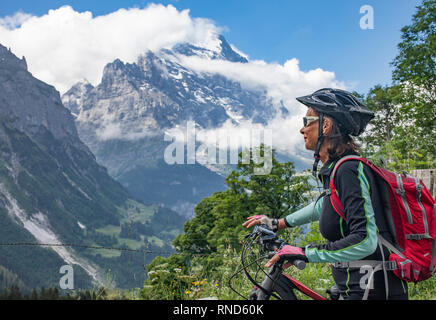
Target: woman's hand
[(261, 219), (288, 252)]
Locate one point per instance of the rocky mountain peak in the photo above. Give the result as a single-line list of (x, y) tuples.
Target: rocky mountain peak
[(80, 89), (9, 60), (30, 105), (223, 52), (228, 53), (158, 91)]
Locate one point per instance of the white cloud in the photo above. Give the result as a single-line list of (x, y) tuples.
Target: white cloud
[(284, 134), (110, 131), (282, 83), (15, 21), (64, 46)]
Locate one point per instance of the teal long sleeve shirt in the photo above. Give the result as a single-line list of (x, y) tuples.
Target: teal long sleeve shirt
[(305, 215)]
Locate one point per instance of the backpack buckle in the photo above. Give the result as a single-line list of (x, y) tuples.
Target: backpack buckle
[(391, 265)]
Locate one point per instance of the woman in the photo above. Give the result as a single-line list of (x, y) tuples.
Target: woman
[(356, 255)]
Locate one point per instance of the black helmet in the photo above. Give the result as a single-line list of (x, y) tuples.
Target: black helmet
[(351, 115)]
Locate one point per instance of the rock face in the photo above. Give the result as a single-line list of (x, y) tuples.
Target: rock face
[(52, 190), (123, 119), (29, 103)]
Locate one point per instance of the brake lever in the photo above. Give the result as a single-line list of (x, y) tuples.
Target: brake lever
[(265, 230), (253, 234)]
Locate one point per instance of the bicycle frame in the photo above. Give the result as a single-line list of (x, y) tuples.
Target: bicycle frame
[(278, 281), (304, 289)]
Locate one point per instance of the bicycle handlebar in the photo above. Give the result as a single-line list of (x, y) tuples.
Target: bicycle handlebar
[(300, 264), (272, 243)]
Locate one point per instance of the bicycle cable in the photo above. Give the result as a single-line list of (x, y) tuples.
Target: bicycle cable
[(230, 279), (266, 274), (244, 268), (241, 269)]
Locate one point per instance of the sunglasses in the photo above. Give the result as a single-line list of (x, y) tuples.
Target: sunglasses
[(308, 120)]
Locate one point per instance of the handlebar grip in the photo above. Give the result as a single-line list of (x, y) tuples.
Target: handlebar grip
[(300, 264)]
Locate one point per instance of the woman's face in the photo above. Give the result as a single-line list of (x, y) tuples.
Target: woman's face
[(310, 132)]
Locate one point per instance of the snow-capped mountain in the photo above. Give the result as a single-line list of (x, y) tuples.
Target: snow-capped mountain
[(158, 92), (124, 117)]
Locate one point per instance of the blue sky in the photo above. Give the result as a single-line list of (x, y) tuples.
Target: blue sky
[(320, 34)]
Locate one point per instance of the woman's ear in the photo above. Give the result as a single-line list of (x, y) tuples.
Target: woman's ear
[(327, 126)]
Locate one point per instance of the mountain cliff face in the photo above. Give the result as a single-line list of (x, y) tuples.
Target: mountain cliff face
[(123, 119), (53, 191)]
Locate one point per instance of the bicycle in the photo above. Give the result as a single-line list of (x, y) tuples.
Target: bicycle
[(276, 283)]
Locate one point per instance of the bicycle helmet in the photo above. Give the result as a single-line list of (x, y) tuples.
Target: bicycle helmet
[(349, 113)]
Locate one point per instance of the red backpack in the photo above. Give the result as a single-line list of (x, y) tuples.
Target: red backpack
[(410, 212)]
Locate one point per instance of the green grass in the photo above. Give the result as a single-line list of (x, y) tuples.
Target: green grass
[(132, 244), (196, 285), (105, 253), (110, 230), (135, 211), (155, 241), (425, 290)]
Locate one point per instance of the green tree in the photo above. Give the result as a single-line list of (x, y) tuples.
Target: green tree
[(216, 228), (416, 61), (276, 194), (218, 219), (415, 73), (404, 128), (382, 135), (384, 101)]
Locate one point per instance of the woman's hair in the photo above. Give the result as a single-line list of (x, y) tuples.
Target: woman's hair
[(340, 143)]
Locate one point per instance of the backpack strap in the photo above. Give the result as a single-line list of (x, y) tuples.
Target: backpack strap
[(385, 265), (375, 265), (334, 198)]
